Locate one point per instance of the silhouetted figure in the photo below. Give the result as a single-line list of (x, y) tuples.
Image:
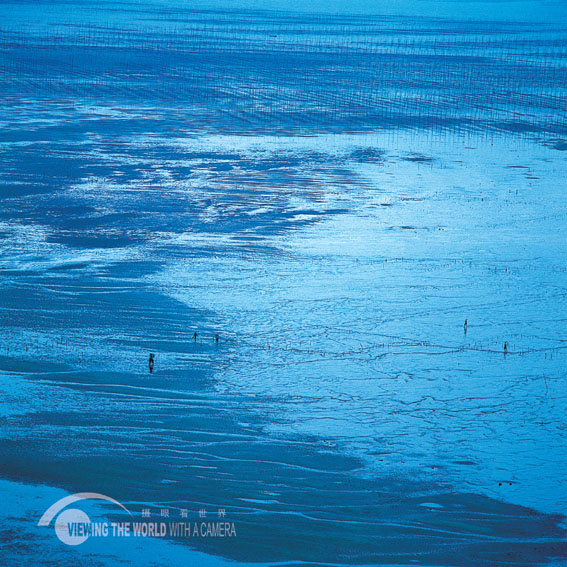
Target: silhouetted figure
[(151, 362), (216, 338), (466, 325), (505, 348), (195, 336)]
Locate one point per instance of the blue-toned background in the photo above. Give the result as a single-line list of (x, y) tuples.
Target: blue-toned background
[(333, 190)]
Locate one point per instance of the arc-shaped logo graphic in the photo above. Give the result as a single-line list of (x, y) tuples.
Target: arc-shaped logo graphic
[(73, 516)]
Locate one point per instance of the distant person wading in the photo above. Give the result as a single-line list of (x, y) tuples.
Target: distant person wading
[(151, 362)]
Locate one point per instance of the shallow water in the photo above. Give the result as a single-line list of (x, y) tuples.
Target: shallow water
[(333, 198)]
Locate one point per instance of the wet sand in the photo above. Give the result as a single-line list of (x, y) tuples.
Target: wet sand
[(344, 417)]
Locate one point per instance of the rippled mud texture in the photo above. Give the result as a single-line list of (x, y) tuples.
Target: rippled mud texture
[(332, 196)]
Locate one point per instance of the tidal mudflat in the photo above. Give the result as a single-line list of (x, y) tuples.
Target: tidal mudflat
[(333, 197)]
